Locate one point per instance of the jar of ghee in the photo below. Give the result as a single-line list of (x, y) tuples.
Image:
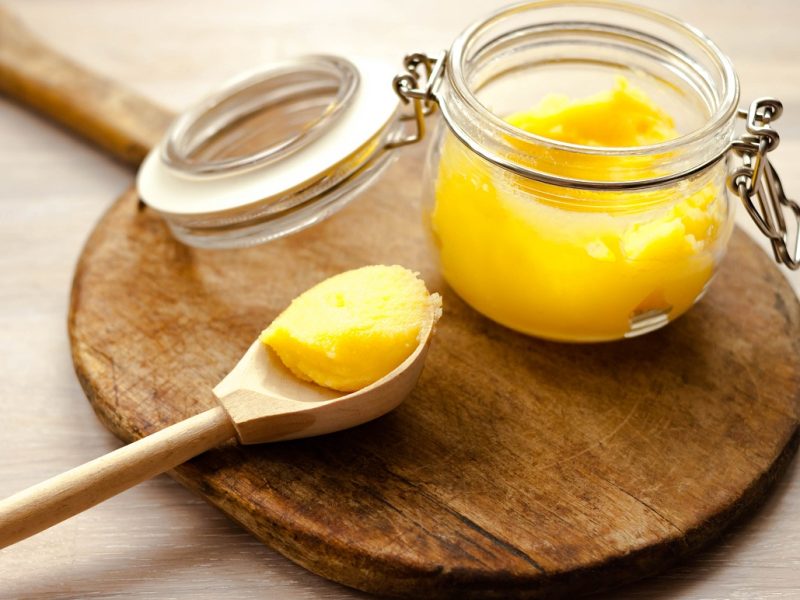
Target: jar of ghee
[(577, 183)]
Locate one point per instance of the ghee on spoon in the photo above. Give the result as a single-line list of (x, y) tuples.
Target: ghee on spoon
[(260, 400)]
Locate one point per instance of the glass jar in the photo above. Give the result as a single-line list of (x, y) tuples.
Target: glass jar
[(570, 241), (568, 219)]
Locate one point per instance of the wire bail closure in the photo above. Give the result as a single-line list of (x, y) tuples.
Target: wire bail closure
[(757, 183), (418, 86)]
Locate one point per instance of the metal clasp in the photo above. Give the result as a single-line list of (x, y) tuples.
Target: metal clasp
[(757, 183), (418, 86)]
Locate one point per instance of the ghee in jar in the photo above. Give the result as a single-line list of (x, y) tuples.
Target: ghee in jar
[(578, 265)]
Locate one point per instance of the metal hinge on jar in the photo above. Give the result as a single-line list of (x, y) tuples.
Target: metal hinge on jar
[(418, 86), (757, 183)]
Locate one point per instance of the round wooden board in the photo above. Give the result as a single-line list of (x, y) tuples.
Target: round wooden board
[(517, 468)]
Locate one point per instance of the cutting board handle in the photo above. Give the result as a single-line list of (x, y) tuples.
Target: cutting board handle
[(45, 504), (118, 120)]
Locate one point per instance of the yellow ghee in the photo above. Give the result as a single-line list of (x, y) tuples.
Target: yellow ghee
[(577, 265), (353, 328)]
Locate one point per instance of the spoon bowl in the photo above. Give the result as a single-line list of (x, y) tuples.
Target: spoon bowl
[(266, 402)]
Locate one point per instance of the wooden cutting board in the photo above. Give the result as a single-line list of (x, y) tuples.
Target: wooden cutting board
[(517, 468)]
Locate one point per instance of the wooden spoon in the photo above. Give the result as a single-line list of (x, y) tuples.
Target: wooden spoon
[(260, 401)]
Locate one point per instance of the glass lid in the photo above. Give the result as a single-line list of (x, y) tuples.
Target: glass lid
[(272, 151)]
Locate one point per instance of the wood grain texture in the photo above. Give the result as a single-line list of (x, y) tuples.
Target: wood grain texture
[(517, 468), (145, 543)]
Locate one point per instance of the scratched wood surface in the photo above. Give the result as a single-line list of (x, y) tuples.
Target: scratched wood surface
[(234, 564)]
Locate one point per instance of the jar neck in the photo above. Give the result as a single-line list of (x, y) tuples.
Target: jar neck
[(519, 49)]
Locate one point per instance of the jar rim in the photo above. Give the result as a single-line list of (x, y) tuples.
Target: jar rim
[(724, 112)]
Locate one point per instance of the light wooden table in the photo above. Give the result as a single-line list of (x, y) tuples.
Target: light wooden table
[(158, 541)]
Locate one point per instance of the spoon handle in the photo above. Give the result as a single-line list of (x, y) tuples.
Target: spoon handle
[(114, 117), (45, 504)]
